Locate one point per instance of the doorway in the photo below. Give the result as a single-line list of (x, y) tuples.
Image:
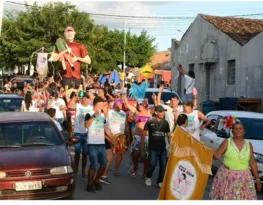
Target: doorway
[(208, 71)]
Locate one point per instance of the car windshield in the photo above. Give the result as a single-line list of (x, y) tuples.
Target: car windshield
[(165, 96), (10, 104), (253, 128), (28, 134)]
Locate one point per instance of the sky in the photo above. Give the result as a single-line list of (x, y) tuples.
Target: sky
[(158, 25)]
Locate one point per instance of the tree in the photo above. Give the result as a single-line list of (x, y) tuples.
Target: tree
[(25, 32)]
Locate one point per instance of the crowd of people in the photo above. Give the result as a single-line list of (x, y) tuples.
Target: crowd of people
[(108, 123)]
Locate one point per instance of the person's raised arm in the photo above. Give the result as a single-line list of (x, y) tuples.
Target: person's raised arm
[(181, 70), (159, 96), (128, 105)]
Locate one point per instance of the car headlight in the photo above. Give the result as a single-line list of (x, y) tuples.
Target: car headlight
[(2, 175), (258, 157), (61, 170)]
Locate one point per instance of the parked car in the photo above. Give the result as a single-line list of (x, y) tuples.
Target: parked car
[(34, 162), (166, 95), (20, 80), (10, 102), (214, 134)]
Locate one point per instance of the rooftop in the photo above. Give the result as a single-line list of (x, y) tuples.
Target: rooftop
[(241, 30)]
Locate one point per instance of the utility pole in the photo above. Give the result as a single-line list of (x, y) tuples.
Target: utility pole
[(124, 52)]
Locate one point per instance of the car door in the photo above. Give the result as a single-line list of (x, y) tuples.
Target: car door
[(208, 135)]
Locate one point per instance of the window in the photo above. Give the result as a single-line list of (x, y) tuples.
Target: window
[(221, 128), (191, 67), (253, 128), (165, 96), (28, 134), (213, 123), (10, 104), (231, 72)]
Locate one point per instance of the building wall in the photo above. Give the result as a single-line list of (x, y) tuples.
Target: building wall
[(210, 49)]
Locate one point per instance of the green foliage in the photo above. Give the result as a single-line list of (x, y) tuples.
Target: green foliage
[(25, 32)]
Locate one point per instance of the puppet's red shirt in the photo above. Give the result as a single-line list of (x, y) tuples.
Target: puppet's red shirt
[(78, 50)]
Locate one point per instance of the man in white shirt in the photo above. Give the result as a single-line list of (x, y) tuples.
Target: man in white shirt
[(173, 109), (189, 82), (118, 125), (95, 122), (60, 106), (80, 131)]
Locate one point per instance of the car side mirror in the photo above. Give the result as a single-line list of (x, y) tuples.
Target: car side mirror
[(222, 134), (73, 140)]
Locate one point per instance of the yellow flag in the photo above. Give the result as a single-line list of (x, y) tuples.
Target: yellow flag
[(146, 71), (187, 169)]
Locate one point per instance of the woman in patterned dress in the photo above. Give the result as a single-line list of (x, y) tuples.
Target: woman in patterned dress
[(233, 180)]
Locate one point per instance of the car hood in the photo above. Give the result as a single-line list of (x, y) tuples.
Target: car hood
[(33, 157), (257, 146)]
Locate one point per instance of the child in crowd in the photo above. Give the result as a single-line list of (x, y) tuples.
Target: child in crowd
[(52, 113)]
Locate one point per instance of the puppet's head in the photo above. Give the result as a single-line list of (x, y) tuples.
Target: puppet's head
[(69, 33)]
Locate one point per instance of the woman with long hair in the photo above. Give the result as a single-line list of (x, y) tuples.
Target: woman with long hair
[(234, 181), (28, 104)]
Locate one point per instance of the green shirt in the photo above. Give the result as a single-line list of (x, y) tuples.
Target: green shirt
[(236, 160)]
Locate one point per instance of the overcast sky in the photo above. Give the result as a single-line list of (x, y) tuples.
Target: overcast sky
[(162, 29)]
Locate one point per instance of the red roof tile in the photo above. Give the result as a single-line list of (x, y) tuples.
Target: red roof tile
[(240, 30), (160, 58)]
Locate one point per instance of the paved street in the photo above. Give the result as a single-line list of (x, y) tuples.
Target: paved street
[(126, 187)]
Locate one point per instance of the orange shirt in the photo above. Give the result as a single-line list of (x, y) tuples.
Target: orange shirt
[(78, 50)]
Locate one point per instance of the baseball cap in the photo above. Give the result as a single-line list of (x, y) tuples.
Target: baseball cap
[(69, 29), (160, 108), (97, 100)]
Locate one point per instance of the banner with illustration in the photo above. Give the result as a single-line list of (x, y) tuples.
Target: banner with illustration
[(42, 65), (187, 169)]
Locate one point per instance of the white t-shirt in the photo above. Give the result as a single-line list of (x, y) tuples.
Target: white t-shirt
[(96, 129), (32, 108), (58, 125), (117, 121), (193, 124), (189, 84), (169, 115), (56, 105), (81, 112)]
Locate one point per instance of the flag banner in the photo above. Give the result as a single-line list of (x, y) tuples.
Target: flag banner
[(42, 60), (42, 65), (187, 170)]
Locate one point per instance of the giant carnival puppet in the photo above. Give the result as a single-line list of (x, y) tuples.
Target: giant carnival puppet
[(71, 54)]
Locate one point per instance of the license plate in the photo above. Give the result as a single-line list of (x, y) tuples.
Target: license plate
[(25, 186)]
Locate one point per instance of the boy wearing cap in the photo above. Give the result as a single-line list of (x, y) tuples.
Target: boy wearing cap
[(157, 128), (82, 108), (80, 54), (95, 122)]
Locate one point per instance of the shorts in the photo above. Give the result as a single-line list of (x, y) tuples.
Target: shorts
[(70, 81), (97, 155), (122, 144), (107, 144), (82, 145), (136, 144)]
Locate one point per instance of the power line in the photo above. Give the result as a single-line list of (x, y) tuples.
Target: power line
[(144, 17)]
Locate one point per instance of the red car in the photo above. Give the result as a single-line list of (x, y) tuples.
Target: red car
[(34, 159)]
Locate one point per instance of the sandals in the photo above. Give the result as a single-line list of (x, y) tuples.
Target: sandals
[(134, 173), (117, 174)]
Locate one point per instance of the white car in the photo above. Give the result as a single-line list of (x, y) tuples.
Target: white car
[(213, 135), (166, 95)]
